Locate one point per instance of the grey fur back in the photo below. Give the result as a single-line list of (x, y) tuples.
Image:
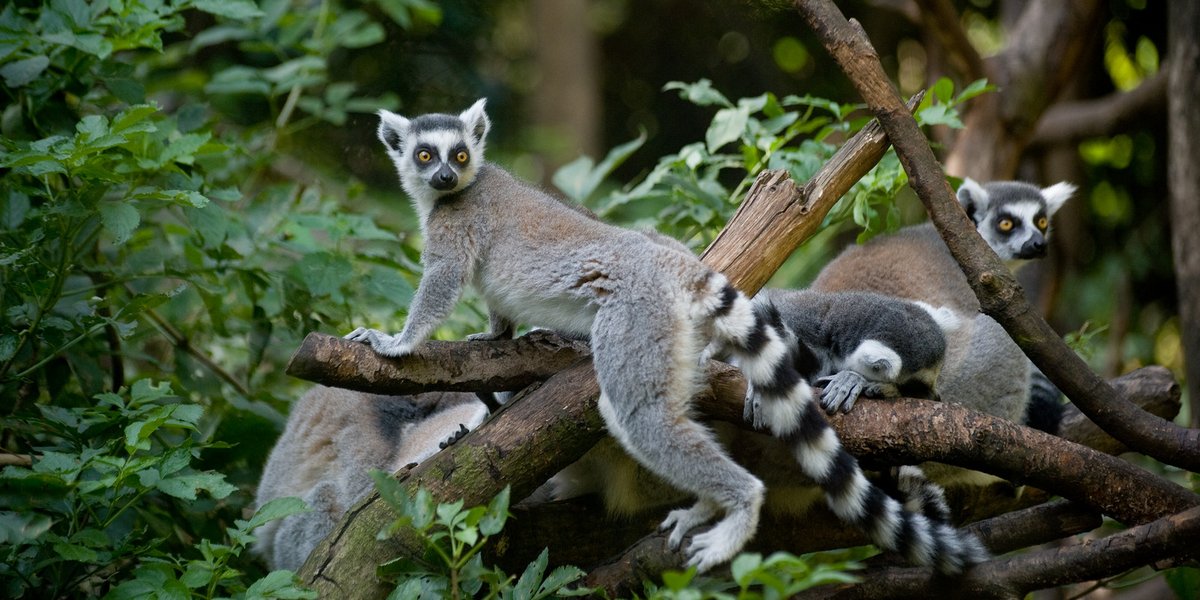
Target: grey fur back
[(333, 439)]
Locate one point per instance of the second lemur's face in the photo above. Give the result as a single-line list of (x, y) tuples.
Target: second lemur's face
[(1013, 217), (435, 154)]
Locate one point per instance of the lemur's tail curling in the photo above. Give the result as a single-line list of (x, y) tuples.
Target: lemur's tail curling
[(775, 364)]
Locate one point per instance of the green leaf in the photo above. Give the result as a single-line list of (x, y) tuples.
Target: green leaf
[(276, 509), (743, 567), (497, 513), (186, 486), (8, 347), (976, 88), (197, 574), (943, 89), (700, 93), (19, 73), (233, 9), (279, 584), (324, 273), (17, 529), (727, 126), (119, 219), (75, 553), (530, 579), (559, 578)]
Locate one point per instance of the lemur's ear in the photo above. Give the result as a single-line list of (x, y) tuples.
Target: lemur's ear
[(476, 120), (947, 320), (392, 129), (1057, 195), (973, 198)]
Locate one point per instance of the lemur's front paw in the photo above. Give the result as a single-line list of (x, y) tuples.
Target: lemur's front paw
[(457, 435), (382, 343), (841, 391)]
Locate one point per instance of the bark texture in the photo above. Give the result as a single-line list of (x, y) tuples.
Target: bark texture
[(1183, 37)]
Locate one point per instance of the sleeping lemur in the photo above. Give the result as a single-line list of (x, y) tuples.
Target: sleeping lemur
[(333, 439), (651, 310)]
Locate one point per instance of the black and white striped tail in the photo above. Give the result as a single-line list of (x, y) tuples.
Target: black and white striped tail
[(775, 363)]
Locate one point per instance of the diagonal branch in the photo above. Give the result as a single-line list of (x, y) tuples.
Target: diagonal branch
[(999, 294), (1066, 122)]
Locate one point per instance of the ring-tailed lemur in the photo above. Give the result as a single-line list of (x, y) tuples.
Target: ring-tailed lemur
[(984, 369), (650, 309), (853, 342), (333, 439), (866, 343)]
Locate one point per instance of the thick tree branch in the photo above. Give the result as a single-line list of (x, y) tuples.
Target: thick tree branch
[(502, 365), (1183, 170), (1015, 576), (821, 531), (558, 415), (999, 294), (1066, 122), (528, 440)]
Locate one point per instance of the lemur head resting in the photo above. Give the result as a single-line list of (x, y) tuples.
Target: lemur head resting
[(435, 154), (1013, 217)]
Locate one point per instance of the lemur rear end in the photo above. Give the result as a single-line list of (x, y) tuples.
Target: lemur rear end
[(650, 309)]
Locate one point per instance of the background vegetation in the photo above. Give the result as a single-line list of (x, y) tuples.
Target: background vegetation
[(189, 187)]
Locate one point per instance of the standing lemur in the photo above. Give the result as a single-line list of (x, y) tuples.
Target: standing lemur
[(984, 369), (650, 309), (333, 438)]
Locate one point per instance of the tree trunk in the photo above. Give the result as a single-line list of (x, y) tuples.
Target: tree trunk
[(1184, 172), (1044, 50)]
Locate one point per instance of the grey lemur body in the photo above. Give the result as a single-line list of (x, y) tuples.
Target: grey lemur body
[(650, 309), (855, 342), (333, 439), (984, 369)]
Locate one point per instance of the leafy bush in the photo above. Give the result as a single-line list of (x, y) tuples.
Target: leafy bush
[(103, 493)]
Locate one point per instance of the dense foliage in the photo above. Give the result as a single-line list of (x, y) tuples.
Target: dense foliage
[(167, 238)]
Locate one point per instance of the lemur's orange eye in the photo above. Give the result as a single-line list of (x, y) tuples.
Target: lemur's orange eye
[(1043, 223), (1005, 225), (461, 156), (424, 156)]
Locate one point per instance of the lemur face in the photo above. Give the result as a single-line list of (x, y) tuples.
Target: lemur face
[(1013, 217), (435, 154)]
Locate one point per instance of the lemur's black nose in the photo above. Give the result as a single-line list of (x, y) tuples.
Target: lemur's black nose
[(444, 179), (1034, 248)]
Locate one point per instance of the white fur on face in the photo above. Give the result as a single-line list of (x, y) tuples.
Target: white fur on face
[(874, 360)]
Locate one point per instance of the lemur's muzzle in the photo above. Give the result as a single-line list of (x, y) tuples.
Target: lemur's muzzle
[(444, 179), (1034, 247)]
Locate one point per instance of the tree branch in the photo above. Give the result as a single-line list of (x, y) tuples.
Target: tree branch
[(999, 294), (1015, 576), (778, 215), (941, 19), (1067, 122), (493, 366)]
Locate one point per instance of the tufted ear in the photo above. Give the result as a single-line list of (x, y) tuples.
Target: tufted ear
[(1057, 195), (476, 120), (392, 129), (947, 320), (973, 198)]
